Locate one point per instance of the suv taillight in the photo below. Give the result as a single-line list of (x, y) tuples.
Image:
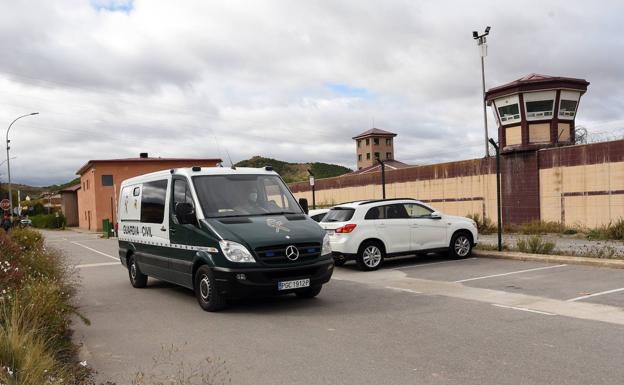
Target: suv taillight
[(346, 228)]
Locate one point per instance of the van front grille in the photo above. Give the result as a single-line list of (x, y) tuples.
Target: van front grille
[(276, 255)]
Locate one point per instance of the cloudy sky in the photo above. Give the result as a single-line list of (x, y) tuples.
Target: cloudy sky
[(293, 80)]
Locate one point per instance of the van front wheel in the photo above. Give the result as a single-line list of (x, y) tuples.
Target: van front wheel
[(206, 291), (137, 278)]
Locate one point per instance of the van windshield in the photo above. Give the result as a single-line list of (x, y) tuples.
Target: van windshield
[(244, 195)]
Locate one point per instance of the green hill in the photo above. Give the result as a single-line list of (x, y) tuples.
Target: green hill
[(296, 172)]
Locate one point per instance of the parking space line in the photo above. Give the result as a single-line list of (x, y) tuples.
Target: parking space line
[(432, 263), (95, 251), (402, 289), (510, 273), (523, 309), (595, 294), (97, 264)]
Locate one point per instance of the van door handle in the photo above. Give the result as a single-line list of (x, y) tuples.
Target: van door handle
[(164, 229)]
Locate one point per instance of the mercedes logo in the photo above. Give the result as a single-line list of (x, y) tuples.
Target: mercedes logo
[(292, 253)]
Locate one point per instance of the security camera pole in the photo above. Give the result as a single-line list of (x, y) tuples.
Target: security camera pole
[(481, 42), (498, 196), (312, 185), (8, 160)]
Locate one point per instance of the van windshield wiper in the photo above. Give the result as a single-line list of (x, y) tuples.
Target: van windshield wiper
[(277, 213), (255, 214)]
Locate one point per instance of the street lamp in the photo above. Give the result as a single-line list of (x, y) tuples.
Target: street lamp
[(482, 43), (312, 185), (8, 160)]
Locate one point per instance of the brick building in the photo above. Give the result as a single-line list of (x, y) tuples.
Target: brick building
[(100, 181)]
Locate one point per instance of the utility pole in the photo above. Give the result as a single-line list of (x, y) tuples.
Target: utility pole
[(482, 44)]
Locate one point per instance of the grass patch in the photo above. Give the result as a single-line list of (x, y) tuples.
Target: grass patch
[(614, 230), (36, 308), (535, 245)]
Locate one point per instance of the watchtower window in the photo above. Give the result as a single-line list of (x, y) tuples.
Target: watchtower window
[(539, 109), (375, 141), (567, 108), (508, 113)]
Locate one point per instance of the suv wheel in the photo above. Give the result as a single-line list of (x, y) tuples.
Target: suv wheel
[(461, 246), (206, 291), (370, 256), (137, 278)]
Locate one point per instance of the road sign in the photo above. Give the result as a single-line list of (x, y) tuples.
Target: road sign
[(4, 204)]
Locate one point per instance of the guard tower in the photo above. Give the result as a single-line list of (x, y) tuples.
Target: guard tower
[(536, 111), (373, 144)]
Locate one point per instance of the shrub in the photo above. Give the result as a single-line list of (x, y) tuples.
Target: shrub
[(484, 225), (535, 245), (49, 221), (541, 227), (36, 309), (614, 230)]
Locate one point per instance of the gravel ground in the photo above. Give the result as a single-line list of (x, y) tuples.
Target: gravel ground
[(572, 244)]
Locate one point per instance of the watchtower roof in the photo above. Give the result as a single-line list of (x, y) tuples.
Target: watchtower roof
[(375, 132)]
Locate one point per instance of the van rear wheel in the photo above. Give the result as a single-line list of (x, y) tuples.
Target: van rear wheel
[(137, 278), (206, 290)]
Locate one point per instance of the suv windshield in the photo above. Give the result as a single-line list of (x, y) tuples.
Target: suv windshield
[(244, 195), (338, 214)]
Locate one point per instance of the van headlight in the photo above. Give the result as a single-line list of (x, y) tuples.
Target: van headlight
[(326, 246), (235, 252)]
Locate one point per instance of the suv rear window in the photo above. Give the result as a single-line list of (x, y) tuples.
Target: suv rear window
[(339, 214)]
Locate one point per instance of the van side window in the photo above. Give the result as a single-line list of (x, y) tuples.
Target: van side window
[(181, 193), (153, 201)]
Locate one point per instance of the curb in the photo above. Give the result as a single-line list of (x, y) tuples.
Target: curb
[(599, 262)]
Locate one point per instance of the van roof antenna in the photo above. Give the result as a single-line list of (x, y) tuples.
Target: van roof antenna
[(230, 159)]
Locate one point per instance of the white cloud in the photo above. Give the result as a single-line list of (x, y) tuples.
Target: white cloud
[(114, 78)]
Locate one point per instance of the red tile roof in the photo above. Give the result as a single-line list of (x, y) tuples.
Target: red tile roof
[(374, 132), (87, 165), (534, 82), (390, 165)]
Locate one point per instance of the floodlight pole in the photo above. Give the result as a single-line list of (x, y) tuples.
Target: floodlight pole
[(481, 43), (312, 186), (8, 161), (498, 195), (383, 177)]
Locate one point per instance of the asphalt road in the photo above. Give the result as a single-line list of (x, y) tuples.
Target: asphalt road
[(417, 321)]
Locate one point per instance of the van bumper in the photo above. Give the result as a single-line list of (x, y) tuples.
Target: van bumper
[(264, 281)]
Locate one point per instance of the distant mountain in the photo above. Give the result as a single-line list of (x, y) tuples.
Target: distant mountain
[(296, 172), (34, 191)]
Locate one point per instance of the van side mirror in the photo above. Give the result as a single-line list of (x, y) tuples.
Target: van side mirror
[(435, 215), (185, 213), (304, 205)]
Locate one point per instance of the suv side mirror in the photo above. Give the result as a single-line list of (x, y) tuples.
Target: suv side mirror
[(185, 213), (304, 205), (435, 215)]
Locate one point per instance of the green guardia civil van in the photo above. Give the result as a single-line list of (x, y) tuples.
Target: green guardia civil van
[(222, 232)]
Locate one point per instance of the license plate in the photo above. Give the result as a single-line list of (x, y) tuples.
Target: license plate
[(296, 284)]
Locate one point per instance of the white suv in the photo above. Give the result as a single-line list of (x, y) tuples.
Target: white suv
[(369, 231)]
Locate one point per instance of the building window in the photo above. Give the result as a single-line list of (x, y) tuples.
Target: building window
[(388, 142), (367, 142), (376, 155), (359, 157), (153, 201), (375, 141), (368, 155), (359, 142), (107, 180), (388, 155), (87, 184), (539, 105)]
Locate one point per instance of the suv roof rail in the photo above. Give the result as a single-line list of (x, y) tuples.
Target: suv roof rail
[(346, 203), (388, 200)]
